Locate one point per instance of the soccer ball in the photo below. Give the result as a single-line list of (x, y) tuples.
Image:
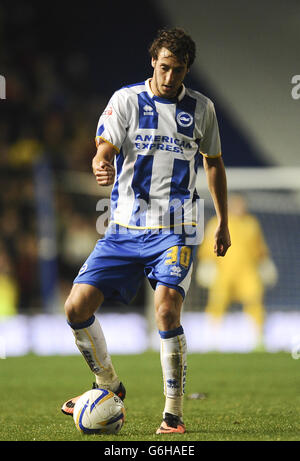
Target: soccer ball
[(99, 411)]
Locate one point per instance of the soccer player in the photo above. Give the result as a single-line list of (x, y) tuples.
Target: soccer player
[(149, 140), (249, 258)]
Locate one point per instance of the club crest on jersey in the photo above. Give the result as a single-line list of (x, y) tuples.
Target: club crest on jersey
[(184, 119), (148, 110)]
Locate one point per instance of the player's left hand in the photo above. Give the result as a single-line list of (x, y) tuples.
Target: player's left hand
[(104, 173), (222, 240)]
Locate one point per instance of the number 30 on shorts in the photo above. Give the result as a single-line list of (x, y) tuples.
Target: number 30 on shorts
[(184, 256)]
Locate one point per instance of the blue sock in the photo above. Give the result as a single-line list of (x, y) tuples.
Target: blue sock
[(79, 326), (171, 333)]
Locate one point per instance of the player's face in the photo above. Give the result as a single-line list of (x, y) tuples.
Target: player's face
[(168, 74)]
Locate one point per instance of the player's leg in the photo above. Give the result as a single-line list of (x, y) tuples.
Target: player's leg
[(168, 303), (82, 302), (108, 273), (219, 298), (251, 293), (80, 307), (170, 273)]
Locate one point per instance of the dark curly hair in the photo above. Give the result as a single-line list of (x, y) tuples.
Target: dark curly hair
[(177, 41)]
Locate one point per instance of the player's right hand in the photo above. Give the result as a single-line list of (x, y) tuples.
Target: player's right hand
[(104, 173)]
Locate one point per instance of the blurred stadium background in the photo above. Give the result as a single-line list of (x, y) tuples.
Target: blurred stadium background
[(61, 63)]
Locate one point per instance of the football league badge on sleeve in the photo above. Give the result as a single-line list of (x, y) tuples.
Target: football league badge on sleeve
[(83, 269)]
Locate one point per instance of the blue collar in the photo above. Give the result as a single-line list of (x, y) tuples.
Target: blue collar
[(164, 100)]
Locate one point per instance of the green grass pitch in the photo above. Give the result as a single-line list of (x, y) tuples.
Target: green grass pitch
[(251, 397)]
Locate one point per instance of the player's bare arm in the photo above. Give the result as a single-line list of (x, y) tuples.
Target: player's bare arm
[(217, 184), (103, 168)]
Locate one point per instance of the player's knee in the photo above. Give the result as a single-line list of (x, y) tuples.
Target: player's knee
[(75, 310), (167, 316), (168, 304), (82, 303), (72, 310)]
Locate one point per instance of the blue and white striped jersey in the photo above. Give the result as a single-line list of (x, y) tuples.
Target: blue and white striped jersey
[(159, 143)]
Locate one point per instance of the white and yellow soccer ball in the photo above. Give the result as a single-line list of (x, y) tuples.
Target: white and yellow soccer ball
[(99, 411)]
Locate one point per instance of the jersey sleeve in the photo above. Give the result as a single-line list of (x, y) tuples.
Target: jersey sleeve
[(210, 145), (112, 123)]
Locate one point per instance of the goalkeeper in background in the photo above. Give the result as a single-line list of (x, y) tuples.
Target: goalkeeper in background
[(243, 276)]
